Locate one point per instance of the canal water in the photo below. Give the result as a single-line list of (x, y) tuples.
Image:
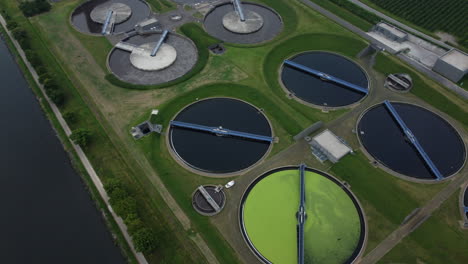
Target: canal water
[(47, 214)]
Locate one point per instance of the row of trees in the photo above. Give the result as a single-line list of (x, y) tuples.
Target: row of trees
[(125, 206), (449, 16), (31, 8), (53, 89)]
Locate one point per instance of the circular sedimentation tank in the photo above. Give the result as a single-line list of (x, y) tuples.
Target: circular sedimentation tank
[(399, 82), (177, 56), (262, 23), (202, 206), (334, 230), (386, 142), (314, 90), (211, 153), (91, 15)]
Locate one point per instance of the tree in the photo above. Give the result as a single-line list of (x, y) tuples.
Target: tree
[(113, 183), (125, 207), (145, 240), (70, 117), (58, 97), (81, 136), (133, 223)]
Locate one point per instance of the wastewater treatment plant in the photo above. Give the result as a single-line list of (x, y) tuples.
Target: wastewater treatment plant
[(262, 131)]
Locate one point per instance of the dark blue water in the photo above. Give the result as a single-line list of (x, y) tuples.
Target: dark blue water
[(47, 214), (385, 141), (211, 153), (318, 92)]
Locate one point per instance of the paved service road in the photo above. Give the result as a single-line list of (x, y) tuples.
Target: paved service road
[(399, 24)]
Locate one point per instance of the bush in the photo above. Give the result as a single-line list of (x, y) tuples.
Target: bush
[(133, 223), (81, 137), (31, 8), (12, 25), (43, 76), (70, 117), (57, 96), (33, 58), (113, 184), (145, 240), (19, 34), (125, 207), (50, 84)]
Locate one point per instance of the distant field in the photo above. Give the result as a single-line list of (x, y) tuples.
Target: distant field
[(449, 16)]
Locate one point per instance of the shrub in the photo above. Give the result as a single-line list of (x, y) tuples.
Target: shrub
[(31, 8), (81, 137), (70, 117), (58, 97), (125, 207), (145, 240), (12, 25)]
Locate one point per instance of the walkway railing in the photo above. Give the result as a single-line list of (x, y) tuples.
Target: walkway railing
[(109, 23), (326, 77), (221, 131), (238, 7), (413, 140), (209, 199), (159, 44), (301, 216)]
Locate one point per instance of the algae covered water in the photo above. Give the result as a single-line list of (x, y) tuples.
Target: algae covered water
[(334, 228)]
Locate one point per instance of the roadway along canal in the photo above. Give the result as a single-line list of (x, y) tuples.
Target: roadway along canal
[(47, 214)]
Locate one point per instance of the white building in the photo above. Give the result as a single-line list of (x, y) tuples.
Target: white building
[(330, 145)]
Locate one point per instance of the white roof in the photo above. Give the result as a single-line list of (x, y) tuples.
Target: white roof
[(332, 144), (457, 59)]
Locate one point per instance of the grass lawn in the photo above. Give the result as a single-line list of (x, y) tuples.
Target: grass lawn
[(439, 240), (386, 199)]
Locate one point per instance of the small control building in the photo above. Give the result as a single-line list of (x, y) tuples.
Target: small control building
[(453, 65), (329, 145)]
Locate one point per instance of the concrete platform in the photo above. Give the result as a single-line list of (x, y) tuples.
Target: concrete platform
[(253, 22), (121, 12), (141, 57)]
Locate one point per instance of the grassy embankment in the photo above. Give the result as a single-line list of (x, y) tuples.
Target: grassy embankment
[(439, 240)]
